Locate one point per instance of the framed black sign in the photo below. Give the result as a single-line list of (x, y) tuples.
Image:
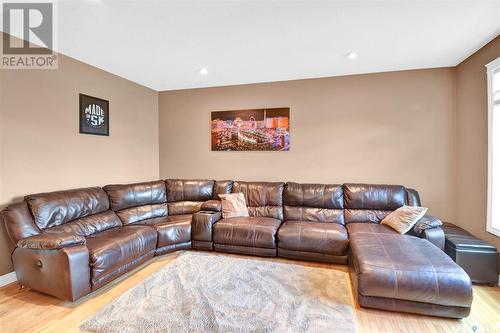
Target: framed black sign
[(94, 115)]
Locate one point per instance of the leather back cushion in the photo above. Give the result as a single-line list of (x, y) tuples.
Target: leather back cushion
[(138, 194), (189, 190), (184, 207), (140, 213), (314, 195), (222, 187), (263, 199), (292, 213), (56, 208), (314, 202), (89, 225), (372, 203), (138, 202)]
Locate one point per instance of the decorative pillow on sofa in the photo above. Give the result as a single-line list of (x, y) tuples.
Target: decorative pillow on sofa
[(404, 218), (233, 205)]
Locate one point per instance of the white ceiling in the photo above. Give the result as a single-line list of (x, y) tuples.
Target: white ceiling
[(163, 44)]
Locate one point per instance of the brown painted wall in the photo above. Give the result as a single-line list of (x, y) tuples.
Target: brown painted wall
[(396, 127), (41, 149), (472, 141)]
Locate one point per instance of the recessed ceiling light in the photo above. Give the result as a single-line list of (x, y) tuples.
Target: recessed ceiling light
[(203, 71), (352, 55)]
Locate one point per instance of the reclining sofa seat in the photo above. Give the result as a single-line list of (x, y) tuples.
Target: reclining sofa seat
[(255, 234), (68, 243), (314, 223), (146, 204), (398, 272), (187, 197), (167, 206)]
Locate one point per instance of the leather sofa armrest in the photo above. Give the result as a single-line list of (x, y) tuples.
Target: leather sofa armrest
[(426, 222), (201, 228), (18, 223), (429, 227), (212, 206), (63, 273), (435, 236), (50, 241)]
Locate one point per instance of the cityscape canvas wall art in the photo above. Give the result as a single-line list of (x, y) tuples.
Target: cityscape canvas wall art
[(251, 130)]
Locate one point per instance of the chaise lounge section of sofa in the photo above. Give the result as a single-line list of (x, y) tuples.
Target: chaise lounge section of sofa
[(69, 243), (398, 272)]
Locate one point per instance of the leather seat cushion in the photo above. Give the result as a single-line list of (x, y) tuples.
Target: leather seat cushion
[(369, 227), (408, 268), (172, 230), (114, 248), (247, 231), (319, 237)]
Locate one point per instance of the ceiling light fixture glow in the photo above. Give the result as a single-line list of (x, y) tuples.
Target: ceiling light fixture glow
[(352, 55), (203, 71)]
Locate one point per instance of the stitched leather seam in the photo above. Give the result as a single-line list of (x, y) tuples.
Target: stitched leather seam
[(265, 195), (436, 282), (300, 234), (182, 186), (406, 270), (302, 196), (103, 277), (396, 286), (434, 306), (254, 233), (150, 193), (326, 255)]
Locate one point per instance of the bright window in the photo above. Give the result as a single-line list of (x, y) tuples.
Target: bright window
[(493, 72)]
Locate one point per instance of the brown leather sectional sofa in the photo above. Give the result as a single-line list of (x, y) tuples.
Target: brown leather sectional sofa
[(69, 243)]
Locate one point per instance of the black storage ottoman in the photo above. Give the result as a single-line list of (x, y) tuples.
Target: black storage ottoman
[(477, 257)]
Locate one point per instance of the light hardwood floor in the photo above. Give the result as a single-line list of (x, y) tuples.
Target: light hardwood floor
[(29, 311)]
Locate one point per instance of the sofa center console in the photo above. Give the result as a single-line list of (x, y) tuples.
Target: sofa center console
[(201, 229)]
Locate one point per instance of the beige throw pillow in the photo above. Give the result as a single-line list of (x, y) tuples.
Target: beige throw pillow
[(403, 218), (233, 205)]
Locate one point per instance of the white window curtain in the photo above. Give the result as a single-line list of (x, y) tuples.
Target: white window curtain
[(493, 73)]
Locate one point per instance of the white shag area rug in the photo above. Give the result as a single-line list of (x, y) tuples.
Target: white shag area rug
[(206, 292)]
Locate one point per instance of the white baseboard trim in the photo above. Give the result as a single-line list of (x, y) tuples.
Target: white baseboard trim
[(8, 279)]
